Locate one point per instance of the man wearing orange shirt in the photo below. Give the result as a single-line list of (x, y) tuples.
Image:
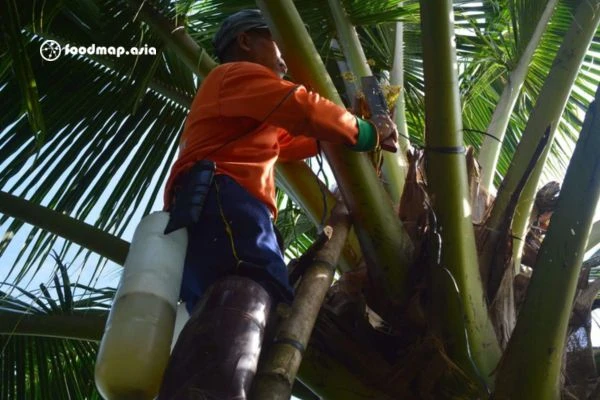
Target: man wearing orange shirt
[(243, 120)]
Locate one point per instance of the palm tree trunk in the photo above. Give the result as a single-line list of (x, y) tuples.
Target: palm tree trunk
[(465, 324), (394, 176), (385, 244), (491, 146), (532, 362)]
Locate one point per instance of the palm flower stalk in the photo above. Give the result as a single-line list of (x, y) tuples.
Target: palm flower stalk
[(392, 172), (465, 322), (546, 113), (532, 362), (298, 180), (491, 146)]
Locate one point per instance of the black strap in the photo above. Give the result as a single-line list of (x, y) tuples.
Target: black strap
[(327, 263), (446, 149), (292, 342)]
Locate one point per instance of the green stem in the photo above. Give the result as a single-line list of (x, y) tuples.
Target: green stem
[(80, 327), (547, 112), (532, 362), (393, 175), (491, 146), (303, 186), (94, 239), (477, 353), (196, 58), (384, 242), (594, 238), (397, 79)]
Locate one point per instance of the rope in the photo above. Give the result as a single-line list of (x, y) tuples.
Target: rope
[(226, 223)]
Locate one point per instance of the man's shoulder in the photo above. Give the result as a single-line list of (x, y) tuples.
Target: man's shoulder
[(241, 68)]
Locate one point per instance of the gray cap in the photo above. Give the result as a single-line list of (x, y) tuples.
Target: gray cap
[(241, 21)]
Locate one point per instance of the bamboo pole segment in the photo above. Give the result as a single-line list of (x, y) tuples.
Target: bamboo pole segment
[(394, 176), (88, 236), (532, 362), (491, 146), (458, 291), (276, 375), (385, 245), (547, 112)]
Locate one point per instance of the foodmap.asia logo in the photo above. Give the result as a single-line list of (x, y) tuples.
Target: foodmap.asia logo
[(51, 50)]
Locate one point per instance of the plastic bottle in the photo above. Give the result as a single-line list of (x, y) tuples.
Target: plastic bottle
[(136, 344)]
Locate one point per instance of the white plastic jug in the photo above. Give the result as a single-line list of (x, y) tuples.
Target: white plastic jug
[(135, 348)]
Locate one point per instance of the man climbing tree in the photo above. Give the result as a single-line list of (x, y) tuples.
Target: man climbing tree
[(243, 120)]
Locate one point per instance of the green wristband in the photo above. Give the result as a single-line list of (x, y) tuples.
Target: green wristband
[(367, 136)]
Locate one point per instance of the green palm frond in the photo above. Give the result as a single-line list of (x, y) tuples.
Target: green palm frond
[(110, 125), (41, 350)]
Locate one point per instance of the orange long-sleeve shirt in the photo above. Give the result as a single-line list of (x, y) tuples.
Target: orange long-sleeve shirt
[(245, 118)]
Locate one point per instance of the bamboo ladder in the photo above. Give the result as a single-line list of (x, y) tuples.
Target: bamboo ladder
[(279, 366)]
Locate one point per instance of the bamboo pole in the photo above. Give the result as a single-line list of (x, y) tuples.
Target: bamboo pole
[(385, 244), (466, 326), (88, 236), (532, 362), (276, 375), (547, 111), (491, 146), (393, 174)]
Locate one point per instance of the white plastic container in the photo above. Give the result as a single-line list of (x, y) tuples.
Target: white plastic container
[(136, 344), (180, 320)]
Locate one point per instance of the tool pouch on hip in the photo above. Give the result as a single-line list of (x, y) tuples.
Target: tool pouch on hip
[(189, 195)]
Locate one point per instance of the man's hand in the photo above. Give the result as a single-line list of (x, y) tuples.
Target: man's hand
[(387, 132)]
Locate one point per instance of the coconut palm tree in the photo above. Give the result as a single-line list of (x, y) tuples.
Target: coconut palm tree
[(430, 301)]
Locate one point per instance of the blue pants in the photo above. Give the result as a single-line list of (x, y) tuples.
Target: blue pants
[(250, 247)]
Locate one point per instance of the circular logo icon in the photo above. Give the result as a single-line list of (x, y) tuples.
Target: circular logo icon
[(50, 50)]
